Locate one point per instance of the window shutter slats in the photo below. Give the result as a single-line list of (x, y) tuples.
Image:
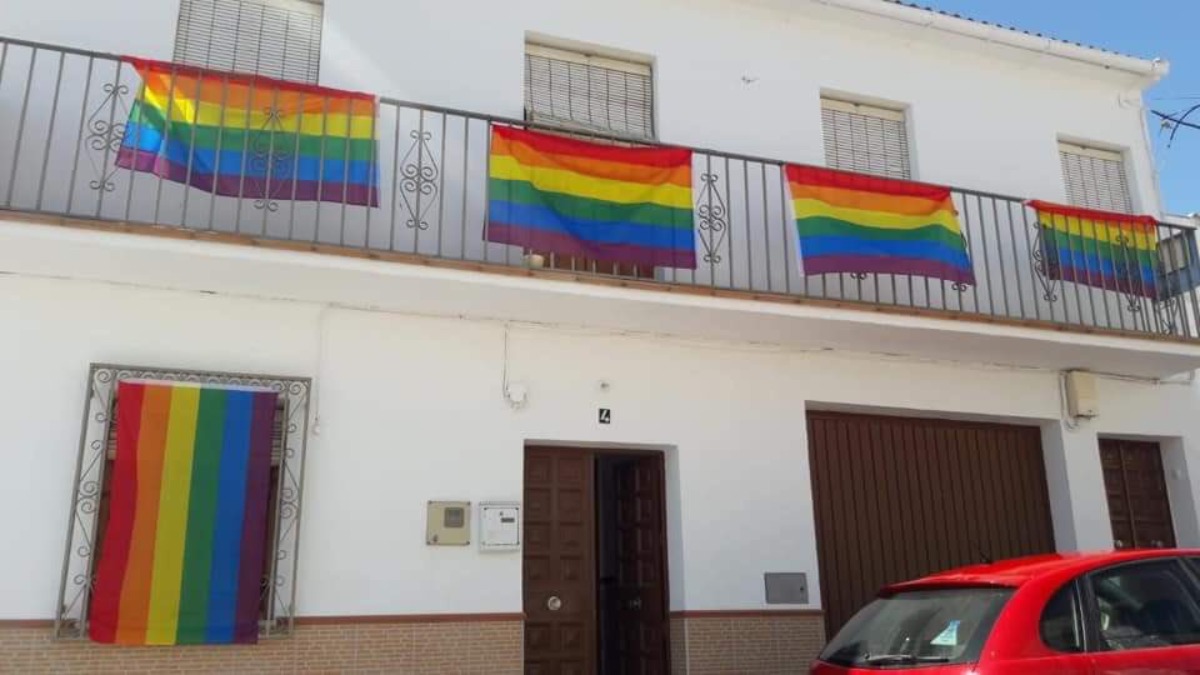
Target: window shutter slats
[(576, 91), (865, 139), (275, 38), (1095, 179)]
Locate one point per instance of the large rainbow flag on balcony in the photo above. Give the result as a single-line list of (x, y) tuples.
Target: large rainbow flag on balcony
[(182, 554), (550, 194), (1113, 251), (862, 224), (252, 136)]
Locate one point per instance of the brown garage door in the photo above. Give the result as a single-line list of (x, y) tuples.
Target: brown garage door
[(898, 498)]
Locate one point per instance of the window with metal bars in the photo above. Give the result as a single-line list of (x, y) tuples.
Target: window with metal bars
[(275, 38), (865, 139), (579, 91), (1095, 178)]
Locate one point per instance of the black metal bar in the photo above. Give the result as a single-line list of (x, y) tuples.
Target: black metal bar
[(783, 222), (746, 223), (212, 202), (729, 221), (1000, 254), (395, 183), (87, 92), (321, 168), (12, 175), (441, 224), (1016, 261), (295, 165), (346, 173), (167, 144), (112, 111), (193, 123), (50, 132)]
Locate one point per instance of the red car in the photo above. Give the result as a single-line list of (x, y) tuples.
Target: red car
[(1074, 614)]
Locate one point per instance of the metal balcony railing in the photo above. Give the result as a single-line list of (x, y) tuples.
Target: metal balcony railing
[(62, 122)]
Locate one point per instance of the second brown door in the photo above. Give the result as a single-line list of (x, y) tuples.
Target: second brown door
[(1137, 494)]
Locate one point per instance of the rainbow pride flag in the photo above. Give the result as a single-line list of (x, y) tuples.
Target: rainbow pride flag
[(182, 555), (251, 136), (854, 223), (550, 194), (1113, 251)]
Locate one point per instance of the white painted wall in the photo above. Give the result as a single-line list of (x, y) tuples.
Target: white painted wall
[(410, 410)]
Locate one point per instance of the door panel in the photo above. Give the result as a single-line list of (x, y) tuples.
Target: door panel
[(641, 554), (559, 563), (1138, 505), (899, 498)]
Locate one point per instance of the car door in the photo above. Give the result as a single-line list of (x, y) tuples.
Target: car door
[(1144, 618)]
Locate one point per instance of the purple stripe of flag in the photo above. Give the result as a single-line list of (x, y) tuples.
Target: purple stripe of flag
[(565, 244), (258, 487)]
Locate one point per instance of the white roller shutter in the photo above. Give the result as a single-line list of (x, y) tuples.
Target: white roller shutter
[(580, 91), (275, 38), (865, 139), (1095, 178)]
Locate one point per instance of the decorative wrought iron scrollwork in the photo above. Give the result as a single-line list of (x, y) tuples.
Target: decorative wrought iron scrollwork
[(77, 578), (1167, 314), (105, 134), (960, 287), (1044, 268), (275, 164), (418, 179), (712, 217), (859, 276)]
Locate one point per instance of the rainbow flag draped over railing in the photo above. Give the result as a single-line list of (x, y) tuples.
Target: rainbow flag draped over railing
[(252, 136), (182, 555), (861, 224), (551, 194), (1113, 251)]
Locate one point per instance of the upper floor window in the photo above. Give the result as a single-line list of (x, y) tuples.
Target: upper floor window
[(865, 139), (275, 38), (1095, 178), (587, 92)]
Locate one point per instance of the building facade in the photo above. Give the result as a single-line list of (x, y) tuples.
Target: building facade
[(728, 459)]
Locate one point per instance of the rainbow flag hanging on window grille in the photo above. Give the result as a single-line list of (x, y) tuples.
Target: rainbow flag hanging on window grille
[(551, 194), (252, 136), (1113, 251), (181, 560)]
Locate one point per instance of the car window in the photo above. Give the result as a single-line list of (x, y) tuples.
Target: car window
[(919, 628), (1061, 626), (1144, 606)]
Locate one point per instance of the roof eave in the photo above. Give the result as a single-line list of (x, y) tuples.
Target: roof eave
[(1148, 71)]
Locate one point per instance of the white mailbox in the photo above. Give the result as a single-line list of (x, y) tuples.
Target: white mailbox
[(499, 526)]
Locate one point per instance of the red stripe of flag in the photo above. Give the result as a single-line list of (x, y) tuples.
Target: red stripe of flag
[(114, 555)]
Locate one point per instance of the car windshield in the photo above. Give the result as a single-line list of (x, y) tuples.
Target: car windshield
[(919, 628)]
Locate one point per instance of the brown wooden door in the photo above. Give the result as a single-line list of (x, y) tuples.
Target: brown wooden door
[(559, 563), (899, 498), (1137, 494), (641, 568)]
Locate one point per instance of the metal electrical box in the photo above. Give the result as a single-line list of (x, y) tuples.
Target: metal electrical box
[(499, 526), (448, 524)]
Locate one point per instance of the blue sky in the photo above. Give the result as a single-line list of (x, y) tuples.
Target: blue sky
[(1166, 28)]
